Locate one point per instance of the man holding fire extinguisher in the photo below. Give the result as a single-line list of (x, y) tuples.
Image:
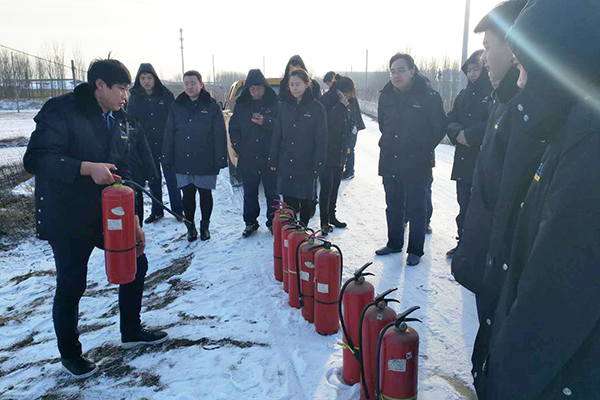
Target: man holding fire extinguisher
[(75, 146)]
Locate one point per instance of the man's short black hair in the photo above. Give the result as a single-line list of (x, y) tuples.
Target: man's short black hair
[(110, 71), (409, 60), (501, 18), (329, 76)]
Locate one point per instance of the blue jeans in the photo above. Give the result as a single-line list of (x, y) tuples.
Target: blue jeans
[(174, 191), (251, 185)]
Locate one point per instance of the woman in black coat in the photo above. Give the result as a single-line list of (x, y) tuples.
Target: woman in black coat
[(196, 144), (338, 132), (299, 147)]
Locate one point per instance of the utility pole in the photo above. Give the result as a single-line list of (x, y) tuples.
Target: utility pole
[(181, 39), (367, 69), (264, 68), (465, 48), (74, 75), (214, 76)]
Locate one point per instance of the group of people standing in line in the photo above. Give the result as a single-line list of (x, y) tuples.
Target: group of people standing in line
[(285, 141)]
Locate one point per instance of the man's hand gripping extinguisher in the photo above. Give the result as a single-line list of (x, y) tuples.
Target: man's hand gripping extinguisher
[(397, 359), (354, 296), (374, 317)]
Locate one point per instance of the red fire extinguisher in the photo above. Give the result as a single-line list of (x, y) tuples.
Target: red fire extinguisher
[(294, 240), (288, 228), (397, 358), (280, 216), (328, 277), (354, 296), (305, 254), (118, 217), (374, 317)]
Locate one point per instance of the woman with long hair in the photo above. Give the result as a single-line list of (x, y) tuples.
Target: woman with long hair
[(299, 146)]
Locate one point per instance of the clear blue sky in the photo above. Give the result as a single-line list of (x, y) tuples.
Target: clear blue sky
[(329, 35)]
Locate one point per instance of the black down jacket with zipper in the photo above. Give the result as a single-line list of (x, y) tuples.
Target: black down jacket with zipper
[(412, 124), (195, 137)]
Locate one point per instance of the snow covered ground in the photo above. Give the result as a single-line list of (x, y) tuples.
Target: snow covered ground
[(232, 332)]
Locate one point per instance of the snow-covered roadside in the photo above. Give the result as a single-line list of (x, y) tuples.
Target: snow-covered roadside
[(232, 333)]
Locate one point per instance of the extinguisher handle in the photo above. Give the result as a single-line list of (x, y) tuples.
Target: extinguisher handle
[(402, 317), (117, 178), (384, 294), (360, 271), (413, 320)]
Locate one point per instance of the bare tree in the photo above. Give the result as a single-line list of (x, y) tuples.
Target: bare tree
[(15, 76)]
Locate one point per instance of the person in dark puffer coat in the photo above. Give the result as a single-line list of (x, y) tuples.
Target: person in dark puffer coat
[(251, 130), (466, 128), (412, 123), (299, 147), (196, 145), (545, 342), (149, 104), (338, 132)]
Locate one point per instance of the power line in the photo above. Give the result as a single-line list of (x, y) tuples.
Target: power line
[(39, 58)]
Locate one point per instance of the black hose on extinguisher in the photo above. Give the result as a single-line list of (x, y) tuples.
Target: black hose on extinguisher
[(379, 298), (357, 276)]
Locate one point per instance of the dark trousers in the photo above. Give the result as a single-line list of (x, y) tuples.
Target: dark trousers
[(304, 209), (251, 184), (330, 184), (189, 202), (350, 158), (463, 193), (174, 192), (71, 257), (406, 198)]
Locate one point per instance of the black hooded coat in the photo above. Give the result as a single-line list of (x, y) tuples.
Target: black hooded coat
[(195, 136), (71, 129), (546, 331), (412, 124), (338, 130), (470, 114), (151, 110), (283, 86), (299, 146), (251, 141)]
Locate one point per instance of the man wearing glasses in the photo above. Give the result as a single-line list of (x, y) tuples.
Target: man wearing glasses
[(412, 123), (251, 129)]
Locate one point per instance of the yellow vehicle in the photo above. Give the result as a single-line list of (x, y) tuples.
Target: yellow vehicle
[(234, 92)]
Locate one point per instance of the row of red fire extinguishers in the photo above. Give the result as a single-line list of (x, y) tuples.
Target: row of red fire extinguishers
[(380, 350)]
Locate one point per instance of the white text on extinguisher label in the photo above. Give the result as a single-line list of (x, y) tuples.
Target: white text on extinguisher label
[(322, 288), (397, 365), (115, 224), (309, 264), (304, 276), (285, 243)]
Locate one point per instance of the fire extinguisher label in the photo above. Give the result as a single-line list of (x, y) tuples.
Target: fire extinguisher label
[(397, 365), (304, 276), (409, 355), (309, 264), (285, 243), (322, 288), (118, 211), (115, 224)]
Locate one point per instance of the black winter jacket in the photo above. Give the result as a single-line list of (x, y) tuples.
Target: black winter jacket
[(70, 129), (141, 161), (547, 320), (412, 124), (338, 129), (195, 137), (469, 113), (299, 146), (251, 141), (151, 110)]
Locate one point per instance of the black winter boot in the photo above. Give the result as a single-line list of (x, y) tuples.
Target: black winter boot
[(192, 232), (204, 232), (334, 221)]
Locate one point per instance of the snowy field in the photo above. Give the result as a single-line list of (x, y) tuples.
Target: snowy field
[(232, 332), (14, 126)]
